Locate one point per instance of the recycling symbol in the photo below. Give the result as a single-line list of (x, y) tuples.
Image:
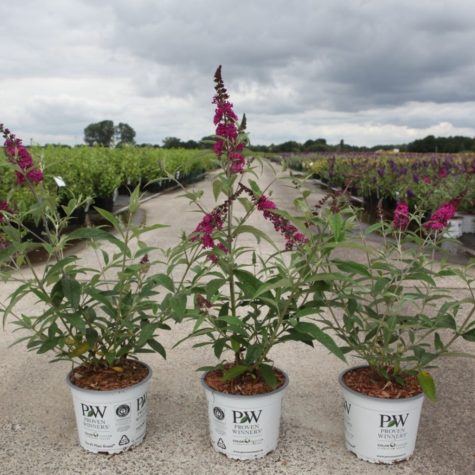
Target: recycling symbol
[(221, 444), (124, 441)]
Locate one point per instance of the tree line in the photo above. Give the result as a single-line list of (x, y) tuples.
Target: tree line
[(109, 135)]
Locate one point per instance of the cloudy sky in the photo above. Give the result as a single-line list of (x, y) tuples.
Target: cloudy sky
[(366, 71)]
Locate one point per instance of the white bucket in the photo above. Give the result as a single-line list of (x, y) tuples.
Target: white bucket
[(244, 427), (455, 228), (468, 225), (366, 425), (111, 421)]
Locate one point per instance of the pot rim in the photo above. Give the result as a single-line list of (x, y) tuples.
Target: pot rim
[(111, 391), (346, 388), (275, 391)]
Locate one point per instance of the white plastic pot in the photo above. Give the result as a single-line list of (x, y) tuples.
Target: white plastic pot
[(244, 427), (468, 224), (380, 430), (455, 228), (111, 421)]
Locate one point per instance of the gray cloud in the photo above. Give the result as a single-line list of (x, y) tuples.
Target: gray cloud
[(390, 67)]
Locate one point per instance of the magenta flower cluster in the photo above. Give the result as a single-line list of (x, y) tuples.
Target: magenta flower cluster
[(439, 219), (17, 153), (401, 216), (295, 240), (145, 261), (225, 120), (4, 206), (204, 232)]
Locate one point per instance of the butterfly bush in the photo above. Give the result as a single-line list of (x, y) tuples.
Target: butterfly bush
[(401, 216), (226, 128), (221, 272), (18, 154), (440, 219), (229, 145)]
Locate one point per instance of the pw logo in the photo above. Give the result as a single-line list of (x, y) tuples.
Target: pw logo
[(393, 420), (141, 401), (246, 416), (93, 411)]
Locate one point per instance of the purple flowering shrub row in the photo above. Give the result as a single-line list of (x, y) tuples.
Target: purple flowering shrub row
[(423, 180)]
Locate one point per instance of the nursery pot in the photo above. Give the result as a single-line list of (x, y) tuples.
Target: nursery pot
[(244, 427), (106, 203), (455, 228), (468, 224), (380, 430), (111, 421)]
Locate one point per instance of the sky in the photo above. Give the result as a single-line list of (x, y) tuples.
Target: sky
[(369, 72)]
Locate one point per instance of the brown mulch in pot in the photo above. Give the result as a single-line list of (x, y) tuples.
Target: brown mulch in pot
[(244, 385), (368, 382), (102, 379)]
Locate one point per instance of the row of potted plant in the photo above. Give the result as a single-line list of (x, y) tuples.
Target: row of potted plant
[(423, 180), (97, 172), (386, 308)]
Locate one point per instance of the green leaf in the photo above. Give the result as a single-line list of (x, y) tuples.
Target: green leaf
[(335, 223), (217, 188), (470, 335), (427, 384), (373, 227), (255, 189), (321, 337), (250, 282), (91, 337), (231, 320), (213, 286), (112, 219), (163, 280), (146, 333), (234, 372), (257, 233), (178, 303), (347, 245), (253, 353), (269, 375), (76, 321), (352, 267), (155, 345), (110, 357), (280, 284), (48, 345), (235, 345), (95, 233), (219, 347), (72, 292), (438, 342)]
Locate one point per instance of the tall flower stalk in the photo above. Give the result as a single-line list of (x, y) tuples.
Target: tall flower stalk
[(243, 302)]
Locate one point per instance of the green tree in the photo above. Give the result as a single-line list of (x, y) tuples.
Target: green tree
[(124, 134), (100, 133), (172, 142)]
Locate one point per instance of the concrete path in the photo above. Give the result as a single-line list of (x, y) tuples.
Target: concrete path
[(38, 430)]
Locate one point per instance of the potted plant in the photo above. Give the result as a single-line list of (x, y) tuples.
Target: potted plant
[(98, 317), (106, 175), (391, 312), (244, 304)]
